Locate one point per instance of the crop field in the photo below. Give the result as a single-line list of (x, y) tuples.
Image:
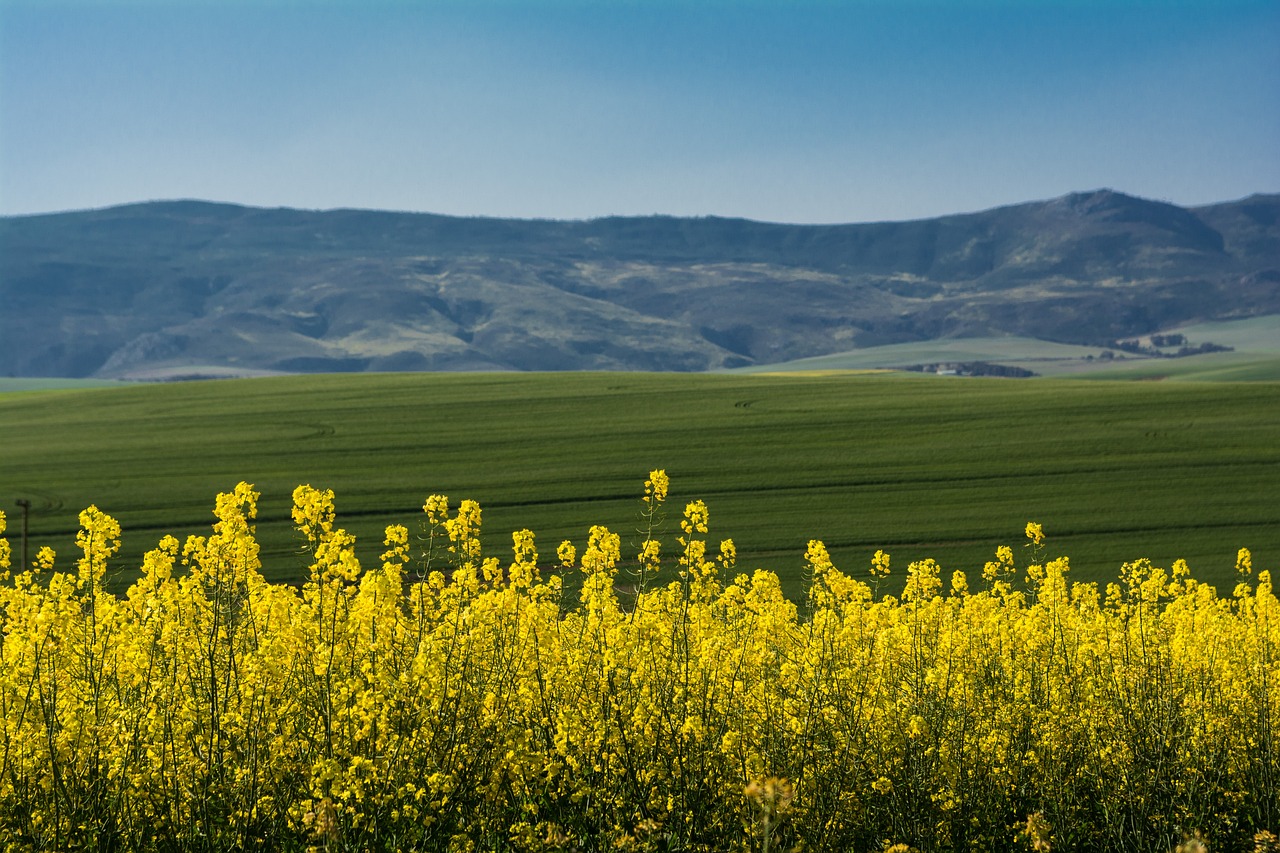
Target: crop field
[(44, 383), (1254, 355), (919, 466), (662, 707), (642, 688)]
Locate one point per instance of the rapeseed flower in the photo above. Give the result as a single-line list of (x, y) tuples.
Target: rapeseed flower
[(449, 700)]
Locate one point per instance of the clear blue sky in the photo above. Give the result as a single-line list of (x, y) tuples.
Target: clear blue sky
[(799, 111)]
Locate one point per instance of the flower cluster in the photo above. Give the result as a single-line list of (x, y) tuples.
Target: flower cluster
[(448, 700)]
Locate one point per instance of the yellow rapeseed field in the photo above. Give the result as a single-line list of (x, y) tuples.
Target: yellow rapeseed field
[(449, 700)]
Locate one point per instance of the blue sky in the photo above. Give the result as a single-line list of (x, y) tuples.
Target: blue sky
[(779, 110)]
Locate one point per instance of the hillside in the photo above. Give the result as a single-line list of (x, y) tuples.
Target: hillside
[(175, 289)]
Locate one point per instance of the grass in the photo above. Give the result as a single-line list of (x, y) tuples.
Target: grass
[(1002, 350), (49, 383), (920, 466), (1211, 367), (1255, 356), (1251, 334)]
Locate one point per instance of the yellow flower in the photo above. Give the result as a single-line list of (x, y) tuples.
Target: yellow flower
[(695, 518), (473, 699), (1035, 533), (655, 488), (45, 558), (567, 553), (1244, 562), (1036, 832), (772, 794)]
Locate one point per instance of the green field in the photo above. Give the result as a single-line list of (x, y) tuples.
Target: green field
[(920, 466), (1254, 357), (48, 383)]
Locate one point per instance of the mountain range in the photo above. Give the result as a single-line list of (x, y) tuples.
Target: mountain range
[(180, 289)]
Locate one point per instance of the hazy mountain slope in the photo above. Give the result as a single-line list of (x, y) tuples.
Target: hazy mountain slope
[(202, 288)]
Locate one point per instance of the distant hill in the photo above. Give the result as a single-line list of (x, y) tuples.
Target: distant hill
[(189, 288)]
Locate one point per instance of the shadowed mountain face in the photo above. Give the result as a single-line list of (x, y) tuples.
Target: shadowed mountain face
[(193, 288)]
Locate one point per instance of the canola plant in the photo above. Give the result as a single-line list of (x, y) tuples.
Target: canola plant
[(447, 700)]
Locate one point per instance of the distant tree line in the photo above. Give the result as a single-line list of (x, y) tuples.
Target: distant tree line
[(1161, 342), (972, 368)]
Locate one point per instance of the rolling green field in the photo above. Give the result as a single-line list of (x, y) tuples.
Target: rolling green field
[(48, 383), (1254, 357), (920, 466)]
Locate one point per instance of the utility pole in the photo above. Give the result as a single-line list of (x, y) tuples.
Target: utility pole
[(26, 513)]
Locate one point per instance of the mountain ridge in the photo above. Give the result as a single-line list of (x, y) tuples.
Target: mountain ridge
[(213, 288)]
